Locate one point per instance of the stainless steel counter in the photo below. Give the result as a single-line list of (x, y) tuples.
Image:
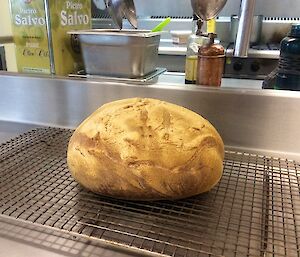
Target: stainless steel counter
[(248, 118), (25, 240), (258, 120), (9, 130), (19, 239)]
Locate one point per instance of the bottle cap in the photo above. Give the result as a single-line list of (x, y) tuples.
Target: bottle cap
[(295, 31)]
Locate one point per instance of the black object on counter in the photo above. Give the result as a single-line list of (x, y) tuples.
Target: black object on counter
[(270, 80), (288, 75)]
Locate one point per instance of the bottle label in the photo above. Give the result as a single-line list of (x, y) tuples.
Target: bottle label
[(30, 33), (211, 26), (191, 68)]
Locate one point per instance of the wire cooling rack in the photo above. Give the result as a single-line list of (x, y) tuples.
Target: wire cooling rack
[(253, 211)]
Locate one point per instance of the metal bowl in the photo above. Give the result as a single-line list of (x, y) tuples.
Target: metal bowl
[(207, 9)]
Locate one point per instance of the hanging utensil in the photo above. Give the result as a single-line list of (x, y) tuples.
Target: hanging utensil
[(115, 10), (207, 9), (130, 13), (119, 9)]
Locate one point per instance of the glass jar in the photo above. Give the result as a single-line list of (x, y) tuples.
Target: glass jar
[(194, 42)]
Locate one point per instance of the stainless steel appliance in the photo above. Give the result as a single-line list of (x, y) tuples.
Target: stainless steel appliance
[(262, 60), (256, 28)]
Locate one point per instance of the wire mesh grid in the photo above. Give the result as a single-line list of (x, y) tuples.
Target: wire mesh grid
[(253, 211)]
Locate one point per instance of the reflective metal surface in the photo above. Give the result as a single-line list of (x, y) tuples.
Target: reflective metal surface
[(245, 28), (150, 78), (249, 120), (258, 120), (116, 12), (207, 9), (119, 53), (20, 239), (9, 130), (120, 8), (166, 47), (255, 32), (130, 13), (49, 34), (245, 214), (259, 54)]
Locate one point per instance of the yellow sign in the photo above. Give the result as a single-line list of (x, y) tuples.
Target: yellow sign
[(40, 33)]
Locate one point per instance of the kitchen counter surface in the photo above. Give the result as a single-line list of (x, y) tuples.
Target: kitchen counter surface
[(9, 130), (177, 78), (65, 103), (20, 239)]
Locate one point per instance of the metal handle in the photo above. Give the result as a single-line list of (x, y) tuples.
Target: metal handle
[(244, 29)]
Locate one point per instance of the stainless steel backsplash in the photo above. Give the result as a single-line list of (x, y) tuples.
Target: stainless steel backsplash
[(261, 121)]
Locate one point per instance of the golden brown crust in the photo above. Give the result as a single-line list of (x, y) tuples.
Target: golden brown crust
[(146, 149)]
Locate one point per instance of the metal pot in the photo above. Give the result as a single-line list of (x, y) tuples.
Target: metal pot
[(256, 28)]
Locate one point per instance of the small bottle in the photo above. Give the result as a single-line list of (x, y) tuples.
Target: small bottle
[(211, 58), (288, 75), (194, 41)]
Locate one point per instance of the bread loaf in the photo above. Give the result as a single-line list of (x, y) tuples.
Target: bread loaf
[(146, 149)]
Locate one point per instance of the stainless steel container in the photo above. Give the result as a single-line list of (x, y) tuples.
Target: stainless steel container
[(119, 53)]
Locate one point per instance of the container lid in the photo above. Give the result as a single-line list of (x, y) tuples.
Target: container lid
[(295, 30), (211, 49)]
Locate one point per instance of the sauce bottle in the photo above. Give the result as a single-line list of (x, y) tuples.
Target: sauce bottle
[(211, 58), (194, 42)]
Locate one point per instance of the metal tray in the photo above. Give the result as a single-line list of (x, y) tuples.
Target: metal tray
[(253, 211), (119, 53), (150, 78)]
